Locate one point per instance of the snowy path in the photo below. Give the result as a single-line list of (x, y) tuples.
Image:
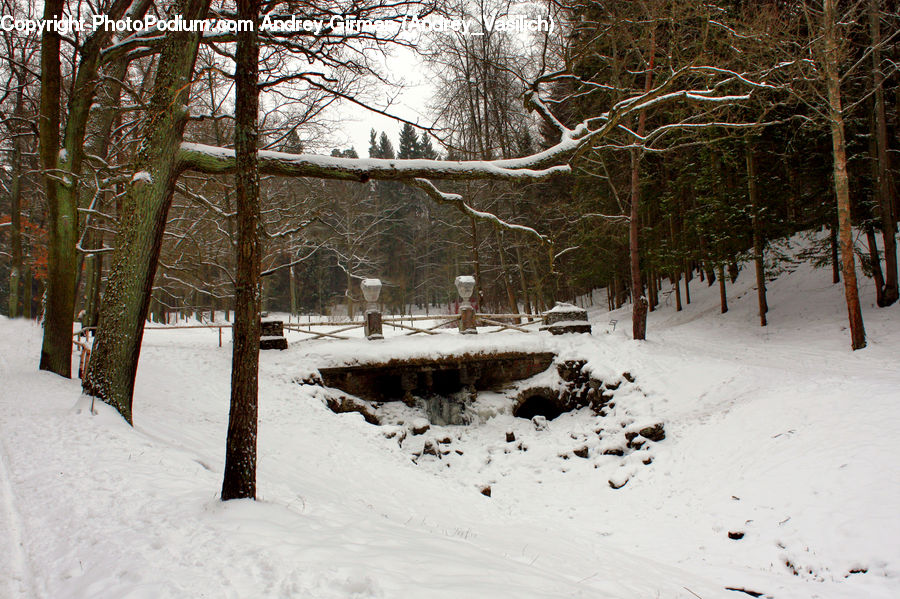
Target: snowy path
[(15, 573)]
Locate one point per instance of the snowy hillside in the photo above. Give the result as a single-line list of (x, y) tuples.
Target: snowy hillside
[(779, 473)]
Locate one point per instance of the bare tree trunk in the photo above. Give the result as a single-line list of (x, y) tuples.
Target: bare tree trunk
[(507, 279), (525, 294), (142, 221), (676, 277), (56, 350), (240, 455), (757, 237), (15, 196), (884, 187), (835, 266), (723, 297), (64, 162), (687, 281), (875, 263), (477, 263), (841, 181), (639, 309)]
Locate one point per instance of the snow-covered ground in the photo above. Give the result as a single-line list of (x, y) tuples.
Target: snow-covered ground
[(781, 434)]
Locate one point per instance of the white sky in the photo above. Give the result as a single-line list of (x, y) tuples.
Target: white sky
[(412, 104)]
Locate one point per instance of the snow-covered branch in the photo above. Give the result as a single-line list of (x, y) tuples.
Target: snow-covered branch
[(215, 160), (456, 200)]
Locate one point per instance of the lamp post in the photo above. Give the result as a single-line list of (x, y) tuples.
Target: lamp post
[(371, 289), (465, 285)]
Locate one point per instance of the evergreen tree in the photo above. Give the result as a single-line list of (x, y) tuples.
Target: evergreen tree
[(426, 150), (409, 143), (374, 151), (385, 149)]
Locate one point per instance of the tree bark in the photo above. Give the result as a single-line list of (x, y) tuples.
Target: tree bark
[(841, 180), (62, 166), (758, 257), (56, 350), (883, 184), (240, 455), (639, 307), (875, 263), (142, 221), (723, 297), (15, 193), (835, 266)]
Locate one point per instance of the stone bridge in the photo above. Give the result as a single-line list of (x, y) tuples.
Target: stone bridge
[(401, 379)]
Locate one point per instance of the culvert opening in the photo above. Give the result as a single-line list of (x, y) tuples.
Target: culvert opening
[(537, 405)]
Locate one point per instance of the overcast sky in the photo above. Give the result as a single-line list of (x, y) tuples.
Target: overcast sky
[(411, 104)]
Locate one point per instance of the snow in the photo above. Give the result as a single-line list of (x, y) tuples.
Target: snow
[(565, 308), (780, 433), (142, 176)]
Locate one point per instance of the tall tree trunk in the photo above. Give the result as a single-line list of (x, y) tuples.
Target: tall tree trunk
[(62, 166), (676, 276), (875, 263), (142, 220), (758, 257), (687, 281), (507, 278), (476, 300), (835, 266), (521, 267), (884, 188), (841, 181), (723, 297), (56, 350), (639, 307), (240, 455), (15, 197)]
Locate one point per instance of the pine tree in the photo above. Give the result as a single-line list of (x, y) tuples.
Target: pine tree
[(385, 149), (409, 142), (374, 151), (426, 150)]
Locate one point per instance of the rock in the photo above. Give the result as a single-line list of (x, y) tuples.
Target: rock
[(346, 404), (736, 536), (510, 436), (420, 426), (654, 433), (430, 449), (615, 451), (617, 482), (486, 491), (581, 452), (634, 440), (540, 423), (648, 461), (445, 441), (628, 377), (570, 370)]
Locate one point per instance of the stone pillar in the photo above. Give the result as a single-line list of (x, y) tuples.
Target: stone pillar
[(465, 285), (373, 325), (371, 289)]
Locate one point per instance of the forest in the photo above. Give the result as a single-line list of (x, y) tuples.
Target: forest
[(709, 187), (650, 148)]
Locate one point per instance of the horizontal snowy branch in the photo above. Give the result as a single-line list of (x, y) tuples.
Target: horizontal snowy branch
[(215, 160)]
